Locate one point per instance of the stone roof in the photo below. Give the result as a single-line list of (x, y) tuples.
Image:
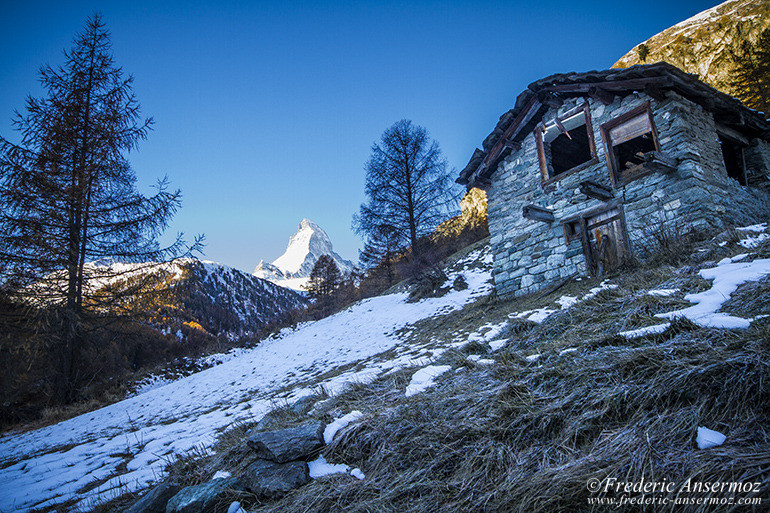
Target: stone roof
[(653, 79)]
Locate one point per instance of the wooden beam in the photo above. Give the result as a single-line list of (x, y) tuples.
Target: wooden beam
[(476, 174), (527, 113), (636, 84), (512, 145), (601, 95), (655, 92), (561, 128), (595, 190), (658, 161), (550, 99), (536, 213), (728, 132)]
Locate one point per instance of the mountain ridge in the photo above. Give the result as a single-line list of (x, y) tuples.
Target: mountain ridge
[(702, 44)]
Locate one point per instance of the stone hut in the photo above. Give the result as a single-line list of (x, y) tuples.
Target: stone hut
[(586, 167)]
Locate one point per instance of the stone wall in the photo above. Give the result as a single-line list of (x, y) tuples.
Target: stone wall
[(529, 255)]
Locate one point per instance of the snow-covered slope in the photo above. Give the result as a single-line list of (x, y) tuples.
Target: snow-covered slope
[(292, 269), (125, 446)]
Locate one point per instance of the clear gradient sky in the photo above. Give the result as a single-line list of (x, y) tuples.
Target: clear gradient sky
[(265, 112)]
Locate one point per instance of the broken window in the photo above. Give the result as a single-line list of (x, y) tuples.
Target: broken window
[(732, 154), (565, 144), (627, 138)]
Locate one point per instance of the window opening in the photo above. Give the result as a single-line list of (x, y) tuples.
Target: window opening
[(732, 154), (565, 144), (572, 230), (627, 139)]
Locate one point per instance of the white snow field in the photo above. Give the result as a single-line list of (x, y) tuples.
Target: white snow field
[(126, 445)]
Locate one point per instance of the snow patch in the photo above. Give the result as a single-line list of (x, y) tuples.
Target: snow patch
[(728, 275), (662, 292), (708, 438), (647, 330), (340, 423), (320, 467), (475, 358), (496, 345), (423, 379)]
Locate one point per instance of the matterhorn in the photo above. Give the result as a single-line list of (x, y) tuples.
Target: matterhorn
[(292, 269)]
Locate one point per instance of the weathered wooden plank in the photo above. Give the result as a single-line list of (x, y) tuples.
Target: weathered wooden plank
[(617, 85), (550, 99), (493, 157), (659, 161), (537, 213), (595, 190), (561, 128), (515, 146)]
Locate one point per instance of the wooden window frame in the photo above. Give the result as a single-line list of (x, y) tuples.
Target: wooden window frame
[(570, 234), (546, 179), (639, 170)]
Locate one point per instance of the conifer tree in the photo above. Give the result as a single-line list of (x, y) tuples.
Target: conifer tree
[(407, 185), (379, 253), (750, 80), (68, 197), (325, 278)]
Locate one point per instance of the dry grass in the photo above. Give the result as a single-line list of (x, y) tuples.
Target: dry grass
[(524, 437), (528, 436)]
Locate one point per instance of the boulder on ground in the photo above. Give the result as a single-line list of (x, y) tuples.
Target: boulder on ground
[(288, 444), (155, 500), (269, 479), (204, 498)]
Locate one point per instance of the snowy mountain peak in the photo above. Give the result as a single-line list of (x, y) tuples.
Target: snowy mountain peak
[(306, 246)]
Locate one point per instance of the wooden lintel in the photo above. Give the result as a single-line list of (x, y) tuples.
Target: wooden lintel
[(595, 190), (601, 95), (658, 161), (536, 213), (730, 133)]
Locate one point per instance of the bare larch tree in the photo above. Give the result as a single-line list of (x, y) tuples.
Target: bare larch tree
[(407, 185)]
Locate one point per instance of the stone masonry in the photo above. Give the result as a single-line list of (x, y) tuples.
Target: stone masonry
[(529, 254)]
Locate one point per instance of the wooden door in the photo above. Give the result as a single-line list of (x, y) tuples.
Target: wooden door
[(605, 243)]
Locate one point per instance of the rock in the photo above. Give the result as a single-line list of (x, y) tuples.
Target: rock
[(288, 444), (205, 497), (155, 500), (269, 479), (429, 284), (303, 405), (271, 420), (460, 283)]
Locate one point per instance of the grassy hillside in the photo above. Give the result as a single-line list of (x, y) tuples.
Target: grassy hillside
[(547, 407)]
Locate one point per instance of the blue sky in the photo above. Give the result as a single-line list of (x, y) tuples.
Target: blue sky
[(265, 112)]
